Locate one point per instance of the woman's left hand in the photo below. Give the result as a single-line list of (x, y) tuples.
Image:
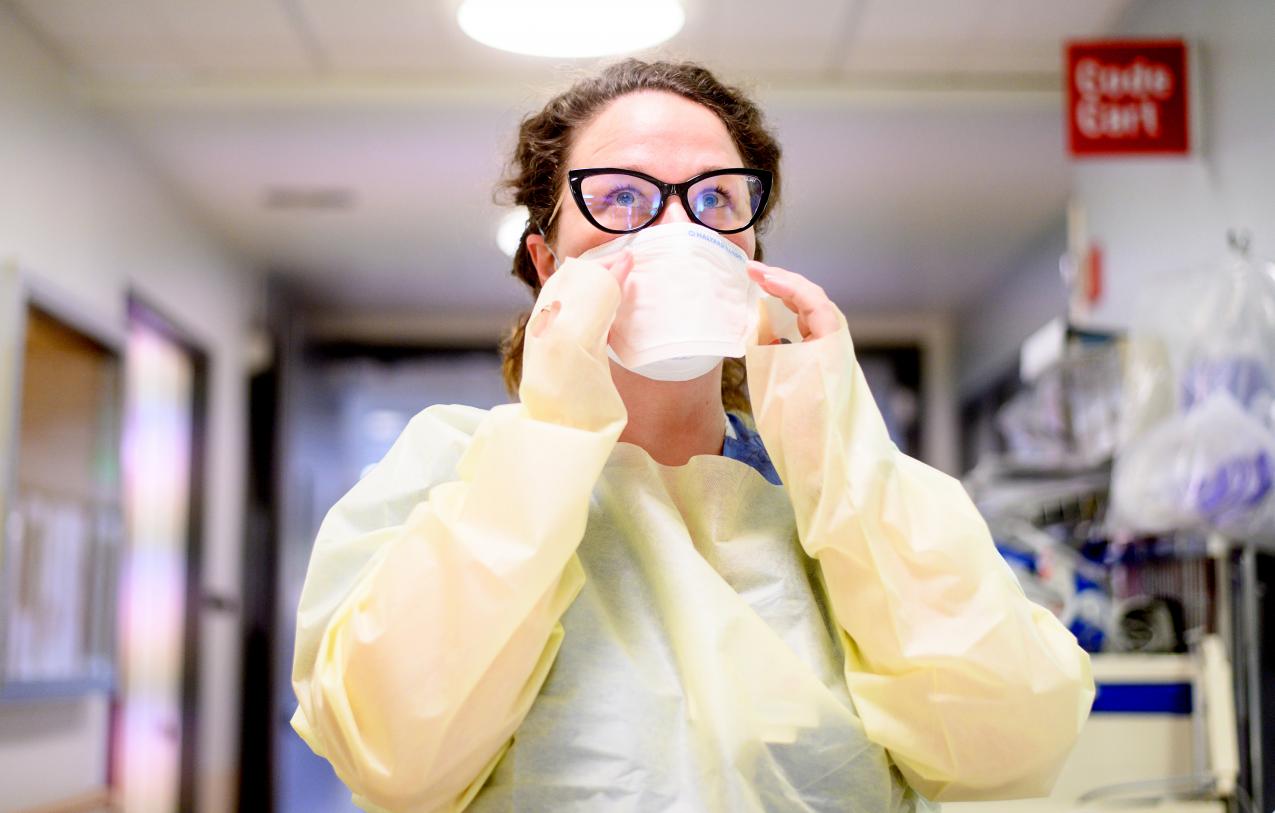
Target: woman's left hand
[(816, 315)]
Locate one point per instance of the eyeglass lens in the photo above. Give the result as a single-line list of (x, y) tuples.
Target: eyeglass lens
[(625, 202)]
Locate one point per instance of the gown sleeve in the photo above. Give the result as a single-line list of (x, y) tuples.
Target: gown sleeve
[(975, 692), (430, 612)]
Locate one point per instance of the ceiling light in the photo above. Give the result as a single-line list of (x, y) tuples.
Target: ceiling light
[(570, 28), (509, 232)]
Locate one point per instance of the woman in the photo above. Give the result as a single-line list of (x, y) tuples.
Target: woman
[(602, 598)]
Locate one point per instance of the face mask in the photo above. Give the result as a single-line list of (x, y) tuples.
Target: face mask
[(687, 303)]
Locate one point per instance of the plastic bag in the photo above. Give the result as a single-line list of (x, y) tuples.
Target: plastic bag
[(1210, 467), (1197, 436)]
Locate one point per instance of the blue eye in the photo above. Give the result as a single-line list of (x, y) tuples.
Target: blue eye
[(627, 197), (712, 199)]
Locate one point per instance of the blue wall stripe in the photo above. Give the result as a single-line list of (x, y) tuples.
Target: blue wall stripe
[(1143, 698)]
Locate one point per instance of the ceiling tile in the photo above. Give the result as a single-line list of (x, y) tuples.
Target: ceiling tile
[(918, 20), (913, 36), (399, 36), (977, 37), (758, 38), (1035, 20), (236, 37), (420, 40), (115, 40), (1026, 36), (740, 37)]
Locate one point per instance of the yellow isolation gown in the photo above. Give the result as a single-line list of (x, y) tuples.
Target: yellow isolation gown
[(513, 611)]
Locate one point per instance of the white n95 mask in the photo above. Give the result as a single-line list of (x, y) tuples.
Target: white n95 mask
[(688, 302)]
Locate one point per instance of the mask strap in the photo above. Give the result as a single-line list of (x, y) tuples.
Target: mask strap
[(551, 251), (540, 229)]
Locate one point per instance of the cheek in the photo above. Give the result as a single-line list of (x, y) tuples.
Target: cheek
[(576, 237), (592, 242), (747, 240)]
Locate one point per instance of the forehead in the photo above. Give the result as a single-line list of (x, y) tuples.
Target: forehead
[(662, 134)]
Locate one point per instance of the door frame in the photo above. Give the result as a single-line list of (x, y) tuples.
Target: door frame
[(141, 311)]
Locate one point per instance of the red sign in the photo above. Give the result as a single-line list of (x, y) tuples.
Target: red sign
[(1128, 98)]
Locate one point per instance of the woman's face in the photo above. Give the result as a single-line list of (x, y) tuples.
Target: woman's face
[(662, 134)]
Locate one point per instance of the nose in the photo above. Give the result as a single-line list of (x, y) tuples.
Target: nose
[(674, 212)]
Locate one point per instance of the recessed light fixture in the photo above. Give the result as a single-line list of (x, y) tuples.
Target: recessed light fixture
[(509, 232), (570, 28)]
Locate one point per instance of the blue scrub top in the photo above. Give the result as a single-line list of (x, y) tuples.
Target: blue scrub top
[(744, 444)]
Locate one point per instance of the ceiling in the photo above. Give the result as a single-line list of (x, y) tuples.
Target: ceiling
[(923, 138)]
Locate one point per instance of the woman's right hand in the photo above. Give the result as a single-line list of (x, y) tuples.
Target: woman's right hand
[(566, 377), (586, 288)]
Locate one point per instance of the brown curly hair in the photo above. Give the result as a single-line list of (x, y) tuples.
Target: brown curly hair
[(537, 170)]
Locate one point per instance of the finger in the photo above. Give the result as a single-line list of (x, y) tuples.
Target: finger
[(774, 281), (824, 323), (816, 315), (776, 287), (757, 273), (622, 267), (611, 259), (783, 285)]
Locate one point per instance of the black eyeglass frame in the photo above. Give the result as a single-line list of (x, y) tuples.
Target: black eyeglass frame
[(575, 179)]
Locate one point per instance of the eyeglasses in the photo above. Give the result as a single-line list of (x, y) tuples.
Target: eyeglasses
[(620, 201)]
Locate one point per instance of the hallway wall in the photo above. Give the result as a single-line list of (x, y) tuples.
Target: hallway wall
[(81, 215)]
